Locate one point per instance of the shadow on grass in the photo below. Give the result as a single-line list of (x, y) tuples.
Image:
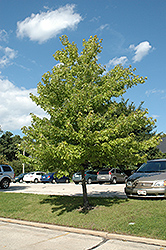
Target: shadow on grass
[(62, 204)]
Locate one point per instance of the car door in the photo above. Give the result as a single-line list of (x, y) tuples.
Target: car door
[(120, 175), (39, 175), (93, 175)]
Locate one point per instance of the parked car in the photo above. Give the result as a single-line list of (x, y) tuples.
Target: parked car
[(6, 176), (33, 176), (63, 179), (50, 177), (149, 181), (90, 177), (46, 178), (111, 175), (19, 178)]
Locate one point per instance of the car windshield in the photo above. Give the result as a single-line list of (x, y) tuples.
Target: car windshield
[(149, 167)]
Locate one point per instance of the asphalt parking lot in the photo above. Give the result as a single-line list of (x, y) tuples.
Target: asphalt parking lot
[(95, 190)]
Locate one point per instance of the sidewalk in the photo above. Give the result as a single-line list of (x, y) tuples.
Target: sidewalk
[(105, 235)]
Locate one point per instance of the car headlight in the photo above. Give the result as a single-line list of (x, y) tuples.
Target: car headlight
[(129, 184), (159, 184)]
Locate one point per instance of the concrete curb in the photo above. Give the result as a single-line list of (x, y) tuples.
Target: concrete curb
[(105, 235)]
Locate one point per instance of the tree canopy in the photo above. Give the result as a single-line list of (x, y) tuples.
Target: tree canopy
[(85, 122), (88, 120)]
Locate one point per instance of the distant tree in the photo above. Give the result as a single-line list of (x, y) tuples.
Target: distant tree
[(8, 145), (89, 121), (9, 152), (18, 167), (3, 160)]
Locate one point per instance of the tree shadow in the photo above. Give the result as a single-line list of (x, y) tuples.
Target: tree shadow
[(13, 189), (62, 204)]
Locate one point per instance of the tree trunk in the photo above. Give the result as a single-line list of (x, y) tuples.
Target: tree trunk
[(84, 189)]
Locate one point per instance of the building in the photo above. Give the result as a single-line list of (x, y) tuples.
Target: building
[(162, 145)]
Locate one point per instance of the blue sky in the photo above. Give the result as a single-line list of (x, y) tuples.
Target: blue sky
[(133, 33)]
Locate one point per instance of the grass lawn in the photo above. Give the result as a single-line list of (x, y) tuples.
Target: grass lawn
[(145, 218)]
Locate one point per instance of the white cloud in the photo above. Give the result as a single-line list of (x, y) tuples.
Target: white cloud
[(104, 26), (15, 106), (155, 116), (121, 60), (95, 19), (3, 35), (46, 25), (155, 91), (141, 50), (8, 55)]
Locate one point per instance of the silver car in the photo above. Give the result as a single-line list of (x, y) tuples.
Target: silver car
[(112, 175), (6, 176), (149, 181)]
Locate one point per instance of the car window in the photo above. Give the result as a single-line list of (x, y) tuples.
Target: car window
[(40, 173), (118, 171), (163, 166), (6, 169), (157, 166), (104, 171), (91, 172)]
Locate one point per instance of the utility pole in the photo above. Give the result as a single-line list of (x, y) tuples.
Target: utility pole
[(23, 165)]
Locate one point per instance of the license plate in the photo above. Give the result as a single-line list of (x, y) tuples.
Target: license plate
[(103, 178), (141, 192)]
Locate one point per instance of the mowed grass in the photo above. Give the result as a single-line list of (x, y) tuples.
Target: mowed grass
[(146, 218)]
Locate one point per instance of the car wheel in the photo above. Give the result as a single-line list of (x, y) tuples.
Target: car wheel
[(89, 181), (5, 183), (53, 181), (114, 181), (76, 182), (20, 180), (100, 182), (36, 180)]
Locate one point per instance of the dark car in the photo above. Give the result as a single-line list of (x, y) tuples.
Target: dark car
[(48, 178), (90, 176), (63, 179), (19, 178), (111, 175), (149, 181)]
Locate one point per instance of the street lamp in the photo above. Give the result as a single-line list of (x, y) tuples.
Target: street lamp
[(23, 165)]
